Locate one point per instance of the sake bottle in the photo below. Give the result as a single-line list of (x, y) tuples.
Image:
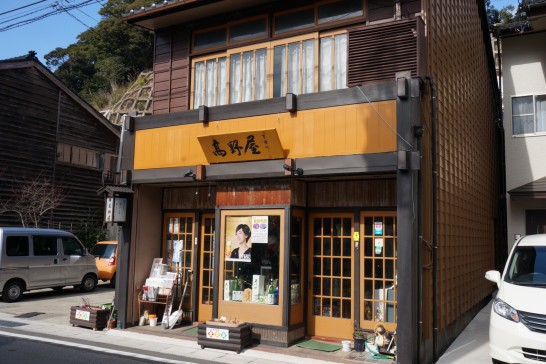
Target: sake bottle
[(271, 293)]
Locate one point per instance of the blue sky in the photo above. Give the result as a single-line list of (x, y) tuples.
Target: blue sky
[(43, 36), (60, 30)]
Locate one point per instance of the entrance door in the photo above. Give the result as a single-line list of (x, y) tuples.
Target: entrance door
[(178, 252), (378, 270), (330, 290), (206, 263)]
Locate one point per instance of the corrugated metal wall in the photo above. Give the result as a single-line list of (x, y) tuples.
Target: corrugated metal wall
[(378, 52)]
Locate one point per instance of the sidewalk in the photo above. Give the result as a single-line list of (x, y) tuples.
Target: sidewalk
[(51, 324), (472, 345), (165, 345)]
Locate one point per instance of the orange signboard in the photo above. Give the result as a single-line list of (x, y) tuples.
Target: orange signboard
[(242, 146)]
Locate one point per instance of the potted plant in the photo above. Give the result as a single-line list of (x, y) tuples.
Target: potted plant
[(112, 321), (359, 338)]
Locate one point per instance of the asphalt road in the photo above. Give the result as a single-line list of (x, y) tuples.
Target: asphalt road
[(52, 306), (21, 351)]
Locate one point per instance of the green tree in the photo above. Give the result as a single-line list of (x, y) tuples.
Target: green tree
[(110, 54), (506, 15)]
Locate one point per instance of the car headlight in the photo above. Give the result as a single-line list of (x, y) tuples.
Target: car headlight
[(503, 309)]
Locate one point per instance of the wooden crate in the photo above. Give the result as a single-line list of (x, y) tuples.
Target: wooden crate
[(95, 318), (224, 336)]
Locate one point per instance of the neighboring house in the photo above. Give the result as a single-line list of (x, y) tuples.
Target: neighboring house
[(358, 140), (48, 132), (524, 75)]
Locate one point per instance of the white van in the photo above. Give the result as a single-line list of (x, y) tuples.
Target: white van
[(43, 258)]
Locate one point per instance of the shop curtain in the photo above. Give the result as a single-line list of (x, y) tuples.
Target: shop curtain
[(261, 74), (279, 72), (198, 86), (293, 67), (325, 64), (211, 72), (234, 78), (221, 81), (248, 60), (340, 66)]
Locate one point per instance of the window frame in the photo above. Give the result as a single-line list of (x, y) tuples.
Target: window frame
[(269, 46), (534, 114)]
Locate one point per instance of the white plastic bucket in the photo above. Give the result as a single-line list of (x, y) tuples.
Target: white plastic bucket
[(153, 321), (346, 345)]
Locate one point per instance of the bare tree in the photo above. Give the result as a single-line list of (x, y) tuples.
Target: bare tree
[(32, 198)]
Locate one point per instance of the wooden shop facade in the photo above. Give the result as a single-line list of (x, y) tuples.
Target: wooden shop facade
[(308, 123)]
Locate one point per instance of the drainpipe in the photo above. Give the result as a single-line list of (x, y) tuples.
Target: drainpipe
[(434, 222), (418, 132)]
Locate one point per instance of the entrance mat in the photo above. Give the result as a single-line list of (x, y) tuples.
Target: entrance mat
[(318, 345), (191, 331), (29, 314)]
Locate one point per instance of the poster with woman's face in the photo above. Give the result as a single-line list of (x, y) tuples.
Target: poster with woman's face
[(238, 246)]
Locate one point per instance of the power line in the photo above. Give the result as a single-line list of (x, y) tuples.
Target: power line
[(23, 19), (22, 7)]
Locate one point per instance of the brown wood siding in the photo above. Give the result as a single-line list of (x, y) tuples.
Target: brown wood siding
[(299, 193), (182, 198), (255, 193), (410, 7), (360, 193), (171, 70), (378, 52), (28, 146), (380, 9)]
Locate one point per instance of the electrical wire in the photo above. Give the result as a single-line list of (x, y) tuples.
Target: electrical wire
[(34, 14), (383, 119)]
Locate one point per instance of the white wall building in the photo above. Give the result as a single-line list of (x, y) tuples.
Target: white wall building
[(524, 104)]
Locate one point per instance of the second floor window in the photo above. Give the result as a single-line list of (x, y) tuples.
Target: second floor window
[(529, 114), (299, 65)]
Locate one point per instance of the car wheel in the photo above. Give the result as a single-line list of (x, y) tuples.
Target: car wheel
[(113, 281), (13, 291), (89, 283)]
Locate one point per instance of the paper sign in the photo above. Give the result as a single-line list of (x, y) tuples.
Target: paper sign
[(378, 228), (217, 334), (82, 315), (378, 245)]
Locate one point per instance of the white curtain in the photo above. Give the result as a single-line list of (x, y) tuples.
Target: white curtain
[(234, 78), (198, 84), (293, 68), (541, 113), (261, 74), (222, 82), (340, 66), (308, 66), (209, 88), (325, 64), (279, 76), (248, 61)]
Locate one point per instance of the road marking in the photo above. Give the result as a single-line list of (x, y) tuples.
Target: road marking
[(94, 348)]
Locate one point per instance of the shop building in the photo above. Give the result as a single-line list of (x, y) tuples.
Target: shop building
[(352, 145)]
